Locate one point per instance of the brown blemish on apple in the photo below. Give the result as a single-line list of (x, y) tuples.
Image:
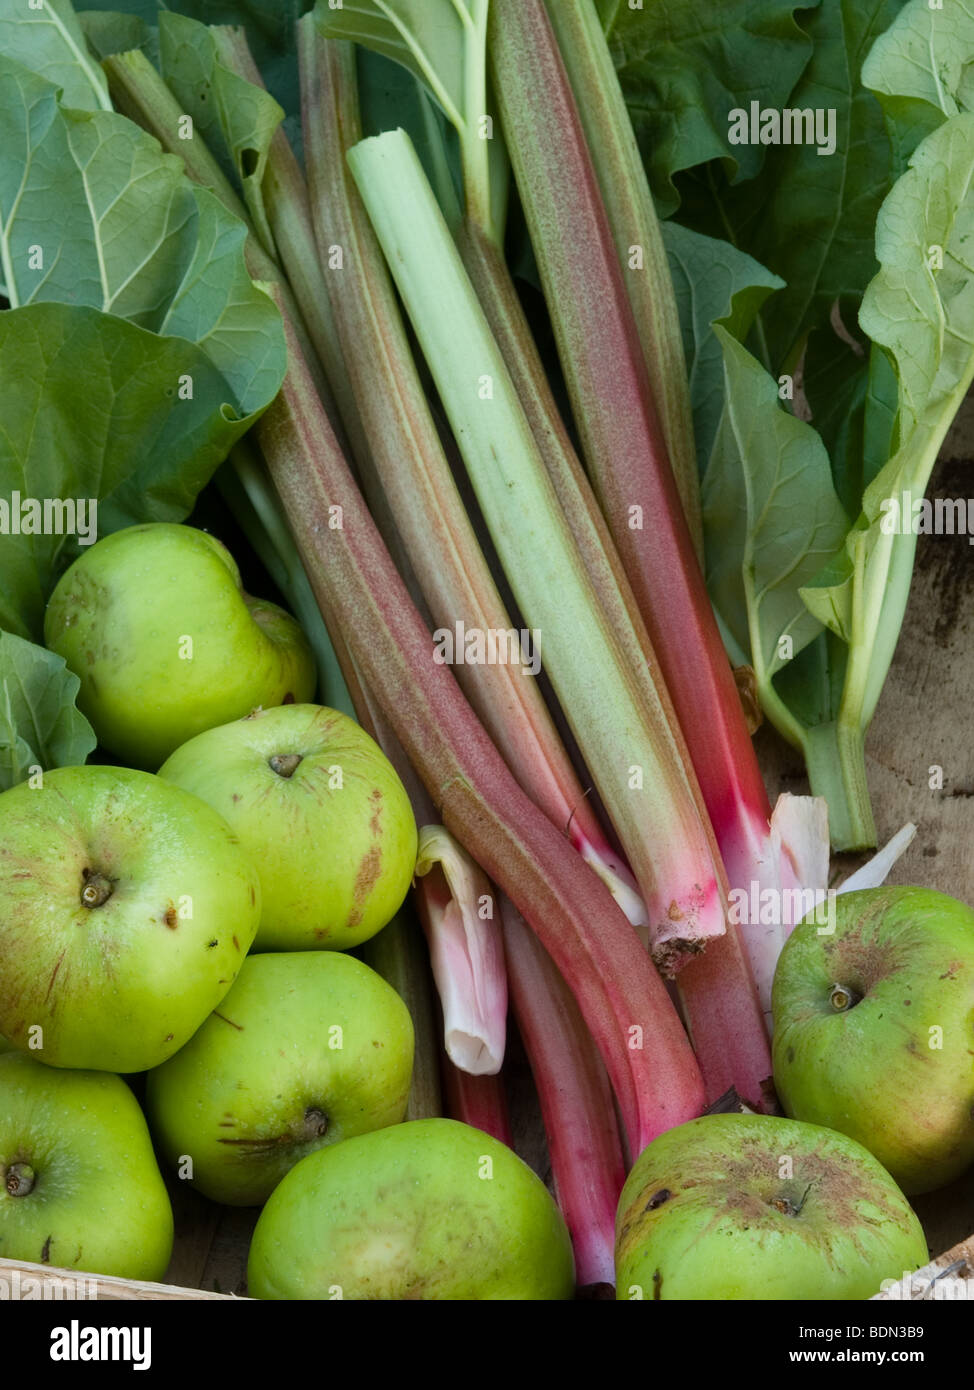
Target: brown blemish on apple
[(46, 1251), (171, 917), (169, 1037), (365, 881), (657, 1283), (57, 967), (236, 943), (658, 1198), (238, 1026), (211, 944)]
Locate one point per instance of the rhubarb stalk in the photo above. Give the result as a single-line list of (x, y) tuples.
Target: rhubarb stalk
[(414, 476), (628, 745), (622, 440), (635, 229), (647, 1054), (576, 1102)]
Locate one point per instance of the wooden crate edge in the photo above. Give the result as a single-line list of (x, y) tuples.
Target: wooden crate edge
[(933, 1280), (22, 1280)]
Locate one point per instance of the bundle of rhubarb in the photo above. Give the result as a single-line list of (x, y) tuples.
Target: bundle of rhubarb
[(534, 472)]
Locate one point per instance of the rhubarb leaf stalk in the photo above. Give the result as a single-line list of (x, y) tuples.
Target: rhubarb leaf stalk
[(657, 1084)]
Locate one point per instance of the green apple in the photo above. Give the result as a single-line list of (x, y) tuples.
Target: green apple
[(430, 1209), (874, 1029), (322, 814), (126, 909), (756, 1207), (79, 1185), (305, 1050), (154, 622)]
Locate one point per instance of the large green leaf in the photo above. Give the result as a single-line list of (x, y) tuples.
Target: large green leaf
[(771, 517), (810, 217), (684, 66), (922, 70), (93, 212), (97, 408), (920, 309), (714, 283), (270, 26), (236, 118), (40, 725), (46, 37)]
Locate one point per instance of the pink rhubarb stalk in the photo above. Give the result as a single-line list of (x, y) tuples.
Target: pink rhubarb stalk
[(605, 371), (480, 1101), (576, 1101)]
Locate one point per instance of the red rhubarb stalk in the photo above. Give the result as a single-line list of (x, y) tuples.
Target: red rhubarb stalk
[(622, 441), (576, 1101)]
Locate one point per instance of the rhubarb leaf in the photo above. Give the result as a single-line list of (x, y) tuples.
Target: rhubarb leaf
[(109, 32), (40, 725), (853, 395), (93, 213), (919, 308), (443, 43), (236, 118), (713, 283), (810, 216), (922, 71), (270, 26), (98, 408), (683, 68), (48, 39), (771, 517)]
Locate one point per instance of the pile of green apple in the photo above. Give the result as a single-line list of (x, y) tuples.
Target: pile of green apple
[(185, 915), (183, 908)]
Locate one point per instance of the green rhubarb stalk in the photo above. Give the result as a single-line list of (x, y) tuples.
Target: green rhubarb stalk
[(629, 748), (636, 232), (285, 196), (244, 484), (414, 475), (624, 1003)]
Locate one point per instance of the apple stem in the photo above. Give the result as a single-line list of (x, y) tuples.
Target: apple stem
[(315, 1123), (97, 889), (842, 998), (284, 764), (19, 1179)]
